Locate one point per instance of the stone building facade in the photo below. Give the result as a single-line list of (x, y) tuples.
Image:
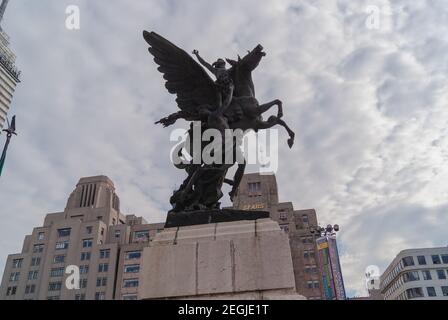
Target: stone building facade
[(91, 234), (260, 192)]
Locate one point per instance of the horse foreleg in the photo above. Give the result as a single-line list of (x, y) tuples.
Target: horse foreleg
[(265, 107), (290, 132), (272, 121)]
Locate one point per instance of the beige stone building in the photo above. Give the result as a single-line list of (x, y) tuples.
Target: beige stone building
[(9, 75), (259, 192), (90, 234)]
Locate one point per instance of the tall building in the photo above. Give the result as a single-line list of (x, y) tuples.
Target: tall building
[(9, 74), (91, 234), (259, 192), (417, 274)]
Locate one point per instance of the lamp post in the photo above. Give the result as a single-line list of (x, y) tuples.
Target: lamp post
[(9, 133)]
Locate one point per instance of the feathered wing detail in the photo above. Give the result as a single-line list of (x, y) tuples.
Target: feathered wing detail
[(184, 77)]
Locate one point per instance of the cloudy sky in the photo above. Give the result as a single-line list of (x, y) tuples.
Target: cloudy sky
[(366, 97)]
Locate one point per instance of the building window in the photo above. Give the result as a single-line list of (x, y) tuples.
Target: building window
[(445, 291), (80, 296), (89, 229), (411, 276), (283, 216), (62, 245), (306, 254), (426, 275), (309, 284), (441, 274), (32, 275), (436, 259), (35, 261), (60, 258), (84, 269), (17, 263), (37, 248), (103, 267), (11, 291), (133, 255), (87, 243), (53, 298), (83, 283), (30, 289), (13, 277), (41, 236), (64, 232), (421, 260), (141, 236), (316, 284), (117, 233), (414, 293), (104, 254), (305, 219), (85, 256), (431, 291), (57, 272), (130, 283), (445, 258), (129, 297), (285, 227), (55, 286), (133, 268), (254, 187), (408, 261), (100, 295), (101, 282)]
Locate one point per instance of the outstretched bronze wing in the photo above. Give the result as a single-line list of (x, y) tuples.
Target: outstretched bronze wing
[(184, 76)]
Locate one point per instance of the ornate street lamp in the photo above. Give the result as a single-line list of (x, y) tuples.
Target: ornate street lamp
[(330, 230), (9, 133)]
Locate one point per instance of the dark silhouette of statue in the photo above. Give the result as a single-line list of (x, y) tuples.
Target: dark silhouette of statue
[(227, 103)]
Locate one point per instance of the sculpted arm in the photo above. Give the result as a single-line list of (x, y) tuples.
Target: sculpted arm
[(204, 63)]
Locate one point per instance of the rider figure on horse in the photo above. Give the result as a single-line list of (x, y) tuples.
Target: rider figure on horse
[(223, 81)]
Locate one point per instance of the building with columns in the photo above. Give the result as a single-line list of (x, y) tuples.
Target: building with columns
[(91, 234)]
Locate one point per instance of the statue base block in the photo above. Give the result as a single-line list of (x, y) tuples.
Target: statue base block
[(246, 259), (189, 218)]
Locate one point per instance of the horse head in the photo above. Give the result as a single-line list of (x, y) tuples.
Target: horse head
[(242, 71), (253, 58)]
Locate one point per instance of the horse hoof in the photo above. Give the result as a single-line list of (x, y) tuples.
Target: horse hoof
[(290, 143)]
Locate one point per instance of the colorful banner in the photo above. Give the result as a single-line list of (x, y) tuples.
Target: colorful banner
[(330, 268)]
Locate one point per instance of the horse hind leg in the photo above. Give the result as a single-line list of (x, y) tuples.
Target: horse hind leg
[(262, 108)]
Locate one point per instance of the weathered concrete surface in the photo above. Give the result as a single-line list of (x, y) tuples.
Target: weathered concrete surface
[(229, 260)]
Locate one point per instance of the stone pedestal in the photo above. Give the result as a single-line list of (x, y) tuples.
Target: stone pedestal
[(228, 260)]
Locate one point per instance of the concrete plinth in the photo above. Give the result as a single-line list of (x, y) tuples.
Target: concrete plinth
[(228, 260)]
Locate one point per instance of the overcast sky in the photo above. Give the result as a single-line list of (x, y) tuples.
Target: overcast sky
[(368, 106)]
